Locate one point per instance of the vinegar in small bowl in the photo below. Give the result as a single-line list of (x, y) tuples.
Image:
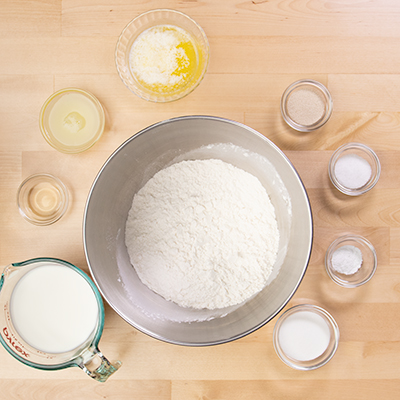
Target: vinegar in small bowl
[(42, 199)]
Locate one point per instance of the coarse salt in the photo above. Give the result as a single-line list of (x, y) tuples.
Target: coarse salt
[(347, 260), (352, 171)]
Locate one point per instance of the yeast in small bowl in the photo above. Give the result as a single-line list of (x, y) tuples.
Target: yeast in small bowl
[(306, 105)]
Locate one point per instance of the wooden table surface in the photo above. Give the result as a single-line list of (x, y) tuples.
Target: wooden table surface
[(257, 49)]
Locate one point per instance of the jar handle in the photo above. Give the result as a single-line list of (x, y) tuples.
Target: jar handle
[(97, 366)]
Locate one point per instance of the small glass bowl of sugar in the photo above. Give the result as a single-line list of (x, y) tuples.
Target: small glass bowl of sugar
[(306, 337), (354, 169), (350, 261), (306, 105)]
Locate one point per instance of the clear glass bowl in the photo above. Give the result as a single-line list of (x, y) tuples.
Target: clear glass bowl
[(306, 337), (72, 120), (306, 105), (42, 199), (351, 177), (368, 265), (149, 20)]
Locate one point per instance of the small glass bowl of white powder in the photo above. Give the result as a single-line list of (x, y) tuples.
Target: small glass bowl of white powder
[(350, 261), (354, 169), (306, 337), (306, 105)]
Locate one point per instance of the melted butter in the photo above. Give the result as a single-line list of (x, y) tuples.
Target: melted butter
[(164, 59)]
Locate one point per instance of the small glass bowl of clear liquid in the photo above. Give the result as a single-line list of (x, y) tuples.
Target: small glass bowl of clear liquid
[(42, 199), (72, 120)]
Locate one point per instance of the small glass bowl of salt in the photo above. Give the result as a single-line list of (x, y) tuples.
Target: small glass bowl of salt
[(306, 105), (350, 261), (354, 169)]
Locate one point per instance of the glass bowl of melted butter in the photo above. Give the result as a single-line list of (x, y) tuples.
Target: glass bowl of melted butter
[(42, 199), (162, 55)]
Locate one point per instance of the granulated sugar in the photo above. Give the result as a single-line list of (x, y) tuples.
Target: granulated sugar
[(306, 106), (352, 171), (203, 234)]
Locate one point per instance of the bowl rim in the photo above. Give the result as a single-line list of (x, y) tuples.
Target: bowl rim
[(261, 323)]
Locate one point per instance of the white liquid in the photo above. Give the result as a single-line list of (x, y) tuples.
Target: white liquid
[(304, 336), (54, 309)]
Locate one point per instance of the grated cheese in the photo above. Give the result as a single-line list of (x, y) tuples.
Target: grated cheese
[(163, 58)]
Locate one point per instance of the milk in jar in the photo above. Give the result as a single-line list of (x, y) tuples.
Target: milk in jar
[(54, 308)]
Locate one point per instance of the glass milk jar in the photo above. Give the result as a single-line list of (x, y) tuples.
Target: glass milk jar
[(52, 317)]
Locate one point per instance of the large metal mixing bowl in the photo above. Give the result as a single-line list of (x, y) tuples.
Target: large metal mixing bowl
[(131, 166)]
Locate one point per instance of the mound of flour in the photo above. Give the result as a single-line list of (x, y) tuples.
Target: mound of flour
[(203, 234)]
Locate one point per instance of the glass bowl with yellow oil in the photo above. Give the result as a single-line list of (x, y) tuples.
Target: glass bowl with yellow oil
[(162, 55), (72, 120), (42, 199)]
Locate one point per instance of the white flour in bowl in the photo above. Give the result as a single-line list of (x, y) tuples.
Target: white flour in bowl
[(203, 234)]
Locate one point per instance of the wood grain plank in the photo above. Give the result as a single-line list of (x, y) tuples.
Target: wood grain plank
[(331, 55), (395, 245), (357, 92), (48, 55), (375, 208), (302, 54), (59, 389), (296, 389), (26, 19), (266, 18)]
